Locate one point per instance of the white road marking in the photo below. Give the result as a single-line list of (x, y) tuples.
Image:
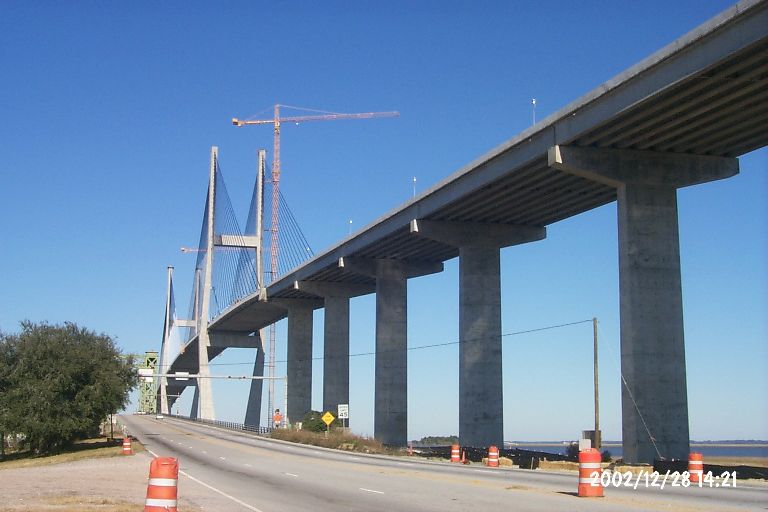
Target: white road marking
[(370, 490), (222, 458), (291, 474), (248, 465), (249, 507)]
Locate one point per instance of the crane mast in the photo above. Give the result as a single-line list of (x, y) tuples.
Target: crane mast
[(274, 242), (274, 246)]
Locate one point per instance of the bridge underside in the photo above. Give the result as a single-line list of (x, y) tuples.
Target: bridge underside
[(703, 95)]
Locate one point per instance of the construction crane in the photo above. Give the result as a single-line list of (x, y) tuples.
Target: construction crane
[(273, 249)]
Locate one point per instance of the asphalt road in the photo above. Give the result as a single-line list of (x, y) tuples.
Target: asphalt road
[(263, 475)]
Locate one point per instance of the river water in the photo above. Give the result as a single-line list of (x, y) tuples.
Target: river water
[(706, 449)]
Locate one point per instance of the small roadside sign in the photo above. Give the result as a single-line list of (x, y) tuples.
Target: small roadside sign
[(328, 418), (343, 411)]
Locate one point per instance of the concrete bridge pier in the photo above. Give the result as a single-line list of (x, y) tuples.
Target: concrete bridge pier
[(299, 371), (391, 387), (654, 389), (335, 336), (193, 412), (481, 404), (253, 409)]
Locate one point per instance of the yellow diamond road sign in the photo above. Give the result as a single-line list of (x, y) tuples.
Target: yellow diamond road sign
[(328, 418)]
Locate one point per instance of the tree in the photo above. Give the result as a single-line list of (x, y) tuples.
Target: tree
[(58, 382), (5, 373)]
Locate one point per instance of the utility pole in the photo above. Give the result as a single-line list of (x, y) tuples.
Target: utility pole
[(598, 440)]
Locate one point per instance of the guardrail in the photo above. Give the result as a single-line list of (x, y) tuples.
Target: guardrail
[(231, 425)]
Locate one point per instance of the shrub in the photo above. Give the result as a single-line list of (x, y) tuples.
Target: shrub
[(313, 421)]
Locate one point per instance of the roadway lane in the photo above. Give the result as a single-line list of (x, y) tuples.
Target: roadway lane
[(263, 475)]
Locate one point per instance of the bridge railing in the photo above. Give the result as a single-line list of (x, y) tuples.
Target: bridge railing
[(226, 424)]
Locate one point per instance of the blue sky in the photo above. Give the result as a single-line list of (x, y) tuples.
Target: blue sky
[(108, 111)]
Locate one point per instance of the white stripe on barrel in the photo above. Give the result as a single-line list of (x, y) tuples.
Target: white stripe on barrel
[(163, 482), (154, 502)]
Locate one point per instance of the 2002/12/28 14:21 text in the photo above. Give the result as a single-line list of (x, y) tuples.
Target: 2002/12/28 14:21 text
[(656, 479)]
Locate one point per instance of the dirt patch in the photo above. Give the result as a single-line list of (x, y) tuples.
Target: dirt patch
[(107, 484)]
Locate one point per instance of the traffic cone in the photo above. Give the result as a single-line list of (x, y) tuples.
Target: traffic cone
[(127, 448), (590, 485), (696, 467), (162, 485), (493, 457), (455, 453)]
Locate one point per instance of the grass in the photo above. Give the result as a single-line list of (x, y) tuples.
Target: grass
[(86, 449), (336, 439)]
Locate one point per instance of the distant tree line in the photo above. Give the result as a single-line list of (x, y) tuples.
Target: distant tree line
[(436, 441), (58, 383)]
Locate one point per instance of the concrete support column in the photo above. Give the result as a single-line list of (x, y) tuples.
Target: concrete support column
[(193, 413), (253, 409), (336, 352), (390, 423), (481, 400), (654, 396), (654, 393), (391, 390), (335, 336), (299, 360)]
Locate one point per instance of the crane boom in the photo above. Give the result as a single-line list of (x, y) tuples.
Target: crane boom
[(319, 117), (274, 245)]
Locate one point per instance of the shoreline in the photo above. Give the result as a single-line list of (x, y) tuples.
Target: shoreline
[(696, 444)]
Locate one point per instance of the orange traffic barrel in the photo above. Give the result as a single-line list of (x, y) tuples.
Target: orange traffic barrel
[(696, 467), (161, 486), (493, 456), (127, 449), (455, 453), (590, 471)]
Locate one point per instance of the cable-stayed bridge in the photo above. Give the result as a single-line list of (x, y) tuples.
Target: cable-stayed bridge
[(681, 117), (232, 273)]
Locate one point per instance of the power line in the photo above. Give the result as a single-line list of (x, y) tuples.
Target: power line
[(434, 345)]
